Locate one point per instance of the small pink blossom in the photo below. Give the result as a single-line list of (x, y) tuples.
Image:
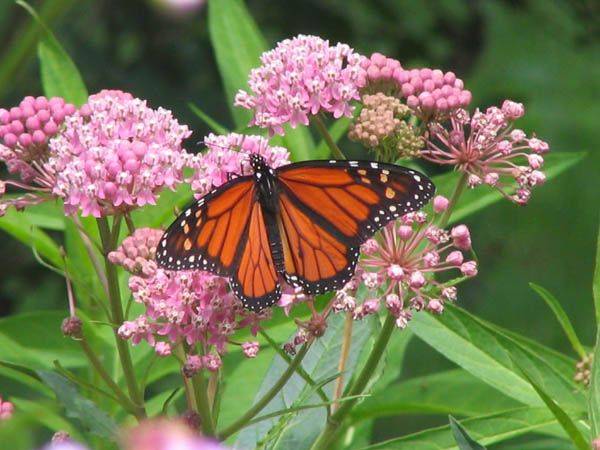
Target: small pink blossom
[(165, 434), (440, 204), (192, 365), (227, 156), (488, 149), (250, 349), (410, 254), (162, 348), (302, 77), (6, 409), (212, 362), (116, 154)]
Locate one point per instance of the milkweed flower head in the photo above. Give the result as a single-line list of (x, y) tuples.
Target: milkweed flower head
[(488, 148), (430, 93), (24, 133), (301, 77), (194, 307), (400, 267), (165, 434), (115, 154), (227, 156)]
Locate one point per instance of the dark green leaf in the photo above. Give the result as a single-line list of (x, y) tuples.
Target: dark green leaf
[(453, 391), (34, 340), (594, 403), (79, 407), (60, 76), (212, 123), (464, 441), (487, 430), (561, 416), (489, 354), (562, 318)]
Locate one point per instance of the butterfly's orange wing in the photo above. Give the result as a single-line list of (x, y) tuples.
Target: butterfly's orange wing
[(329, 208), (224, 232)]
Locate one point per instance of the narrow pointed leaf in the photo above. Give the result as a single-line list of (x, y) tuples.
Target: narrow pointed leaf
[(561, 416), (204, 117), (464, 441), (60, 76), (562, 318), (594, 402)]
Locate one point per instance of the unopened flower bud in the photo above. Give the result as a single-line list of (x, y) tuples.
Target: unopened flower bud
[(435, 306), (455, 258), (72, 327), (535, 161), (369, 247), (469, 268), (461, 237), (417, 280), (440, 204), (395, 272)]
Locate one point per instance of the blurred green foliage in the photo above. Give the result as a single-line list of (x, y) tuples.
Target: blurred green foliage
[(543, 53)]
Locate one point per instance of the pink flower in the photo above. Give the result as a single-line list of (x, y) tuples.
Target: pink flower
[(165, 434), (6, 409), (299, 78), (24, 134), (440, 204), (192, 365), (381, 72), (290, 297), (193, 307), (228, 155), (411, 252), (116, 154), (250, 349), (489, 151)]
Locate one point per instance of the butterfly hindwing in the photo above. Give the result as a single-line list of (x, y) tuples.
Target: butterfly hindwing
[(329, 208)]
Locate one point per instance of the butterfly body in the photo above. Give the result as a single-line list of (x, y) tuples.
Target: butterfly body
[(303, 223)]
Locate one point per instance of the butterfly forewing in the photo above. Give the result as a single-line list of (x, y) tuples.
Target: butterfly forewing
[(328, 208)]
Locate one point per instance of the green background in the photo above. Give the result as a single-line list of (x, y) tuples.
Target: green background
[(541, 53)]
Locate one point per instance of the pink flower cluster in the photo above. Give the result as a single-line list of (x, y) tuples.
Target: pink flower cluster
[(193, 307), (401, 265), (25, 130), (301, 77), (115, 154), (164, 434), (6, 409), (227, 155), (488, 149), (428, 92)]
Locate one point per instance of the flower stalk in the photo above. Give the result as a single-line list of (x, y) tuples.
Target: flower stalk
[(114, 297), (335, 150)]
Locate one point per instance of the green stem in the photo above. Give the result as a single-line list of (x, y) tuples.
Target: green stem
[(335, 150), (114, 298), (264, 401), (332, 428), (100, 370), (202, 403), (458, 190)]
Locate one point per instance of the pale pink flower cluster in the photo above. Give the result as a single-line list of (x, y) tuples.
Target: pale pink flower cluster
[(490, 151), (6, 409), (24, 134), (115, 154), (399, 268), (301, 77), (194, 307), (228, 155), (430, 93)]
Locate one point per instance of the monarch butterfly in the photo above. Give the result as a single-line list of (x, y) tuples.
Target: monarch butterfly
[(303, 222)]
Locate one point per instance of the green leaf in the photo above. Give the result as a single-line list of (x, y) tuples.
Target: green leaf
[(204, 117), (562, 318), (563, 418), (487, 430), (464, 441), (488, 354), (594, 403), (60, 76), (78, 407), (320, 362), (473, 200), (34, 340), (453, 391), (20, 227), (238, 44)]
